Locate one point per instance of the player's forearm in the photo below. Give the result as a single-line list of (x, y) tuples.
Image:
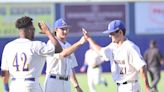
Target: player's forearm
[(54, 41), (143, 72), (5, 78), (94, 45), (75, 82), (5, 84), (68, 51), (73, 79)]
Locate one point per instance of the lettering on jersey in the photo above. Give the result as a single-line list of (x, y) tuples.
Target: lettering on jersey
[(122, 67), (20, 62), (122, 70)]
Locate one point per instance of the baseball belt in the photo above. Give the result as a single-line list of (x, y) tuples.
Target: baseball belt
[(96, 66), (126, 82), (59, 77), (25, 79)]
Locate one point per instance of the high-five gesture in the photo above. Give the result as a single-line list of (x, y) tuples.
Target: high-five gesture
[(92, 43), (44, 28), (85, 33)]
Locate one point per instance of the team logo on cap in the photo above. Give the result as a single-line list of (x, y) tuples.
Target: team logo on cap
[(63, 23), (109, 27)]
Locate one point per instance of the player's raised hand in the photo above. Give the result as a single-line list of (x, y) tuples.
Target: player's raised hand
[(44, 28), (85, 33)]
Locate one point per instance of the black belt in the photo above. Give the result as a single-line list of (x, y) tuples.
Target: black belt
[(126, 82), (96, 66), (59, 77), (26, 79)]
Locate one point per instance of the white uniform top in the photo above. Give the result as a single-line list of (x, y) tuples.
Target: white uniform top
[(24, 58), (126, 61), (91, 57), (62, 67)]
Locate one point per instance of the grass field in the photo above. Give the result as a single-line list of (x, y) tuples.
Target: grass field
[(82, 78)]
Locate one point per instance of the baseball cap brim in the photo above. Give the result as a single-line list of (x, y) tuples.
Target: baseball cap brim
[(108, 31), (67, 26)]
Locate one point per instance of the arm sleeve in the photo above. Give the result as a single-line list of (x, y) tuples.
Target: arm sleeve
[(4, 65), (106, 53), (45, 49), (135, 57)]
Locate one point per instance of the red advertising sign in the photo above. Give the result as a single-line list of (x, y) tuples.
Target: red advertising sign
[(93, 17), (149, 18)]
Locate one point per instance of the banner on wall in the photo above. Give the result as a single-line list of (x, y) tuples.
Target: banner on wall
[(149, 18), (10, 12), (93, 17)]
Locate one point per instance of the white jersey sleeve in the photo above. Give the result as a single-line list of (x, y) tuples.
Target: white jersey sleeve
[(45, 49), (4, 65), (135, 57), (106, 53)]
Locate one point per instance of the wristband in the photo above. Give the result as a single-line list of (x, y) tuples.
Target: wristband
[(6, 87)]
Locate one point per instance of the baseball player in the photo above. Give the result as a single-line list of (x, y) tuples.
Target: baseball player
[(125, 58), (23, 59), (60, 73), (93, 60), (153, 57)]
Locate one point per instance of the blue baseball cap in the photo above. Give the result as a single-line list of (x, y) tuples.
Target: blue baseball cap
[(114, 26), (60, 23)]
